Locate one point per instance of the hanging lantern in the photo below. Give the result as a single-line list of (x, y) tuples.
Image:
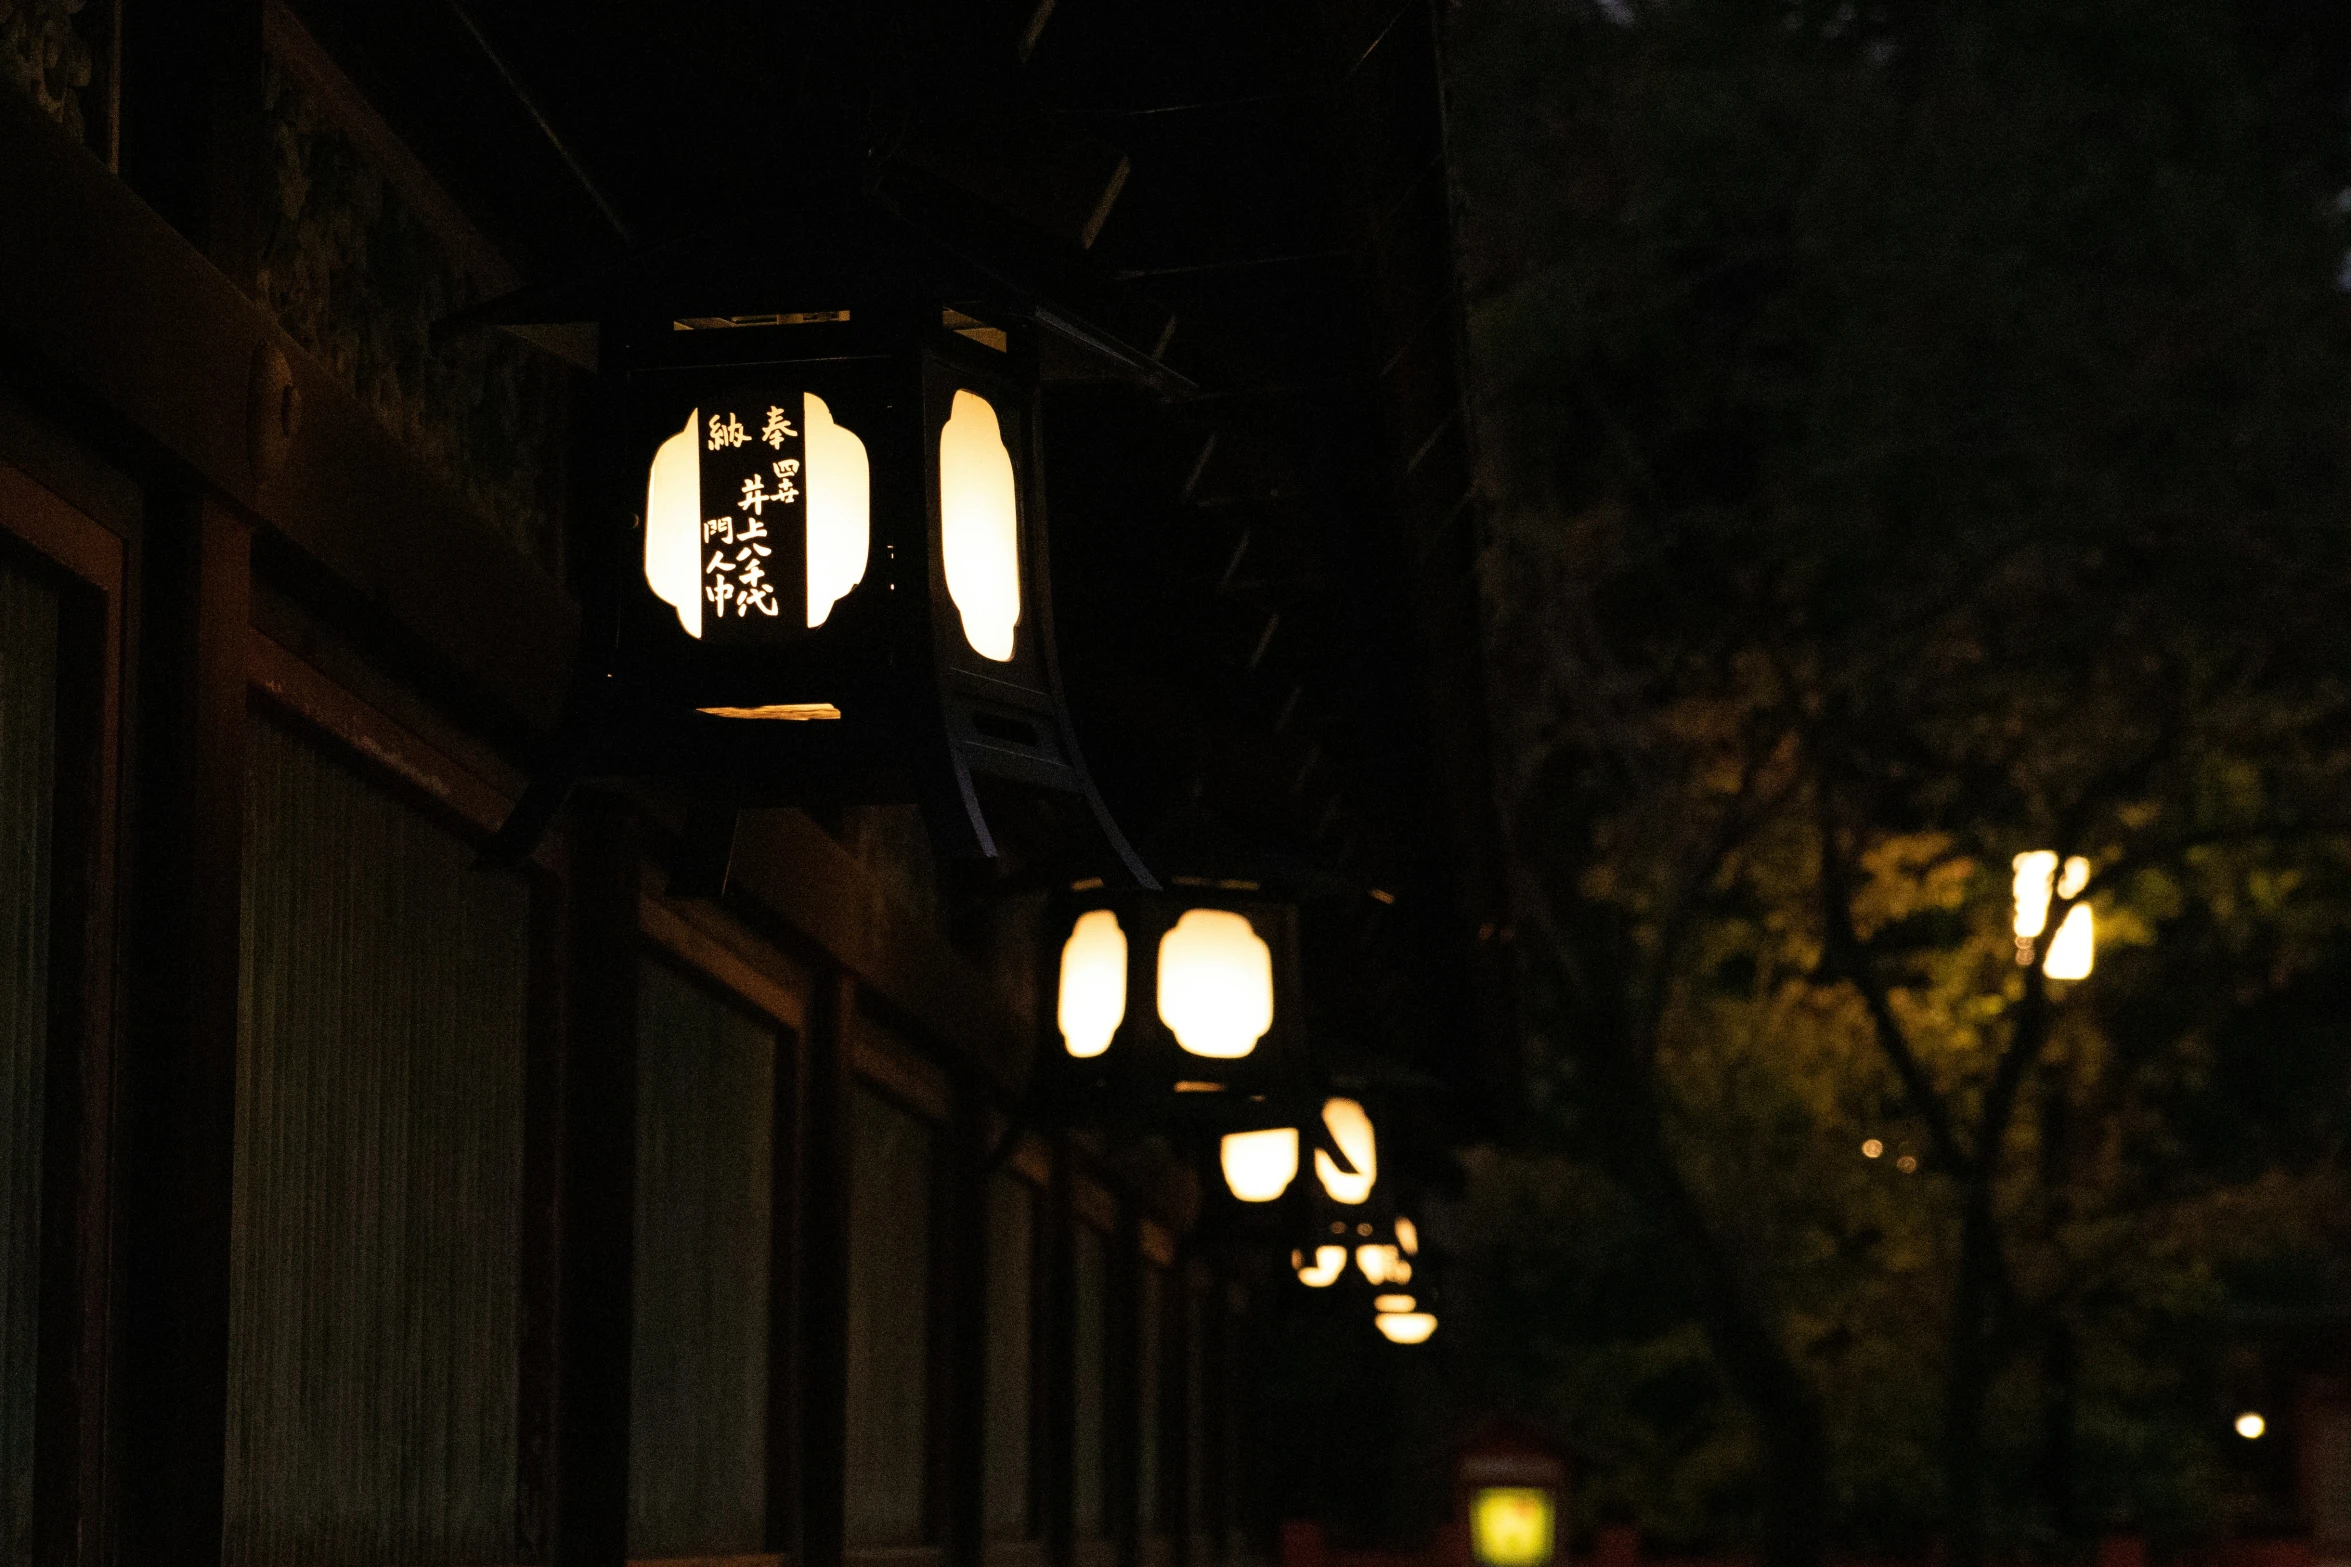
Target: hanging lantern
[(1181, 1008), (821, 575)]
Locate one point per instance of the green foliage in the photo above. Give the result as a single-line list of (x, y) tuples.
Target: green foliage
[(1916, 435)]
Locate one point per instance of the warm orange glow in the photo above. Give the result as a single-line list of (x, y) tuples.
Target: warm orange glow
[(1329, 1262), (1408, 1236), (2073, 950), (840, 512), (1093, 983), (979, 525), (788, 712), (1350, 1128), (673, 525), (1405, 1327), (1382, 1264), (1215, 984), (1259, 1166), (1392, 1303)]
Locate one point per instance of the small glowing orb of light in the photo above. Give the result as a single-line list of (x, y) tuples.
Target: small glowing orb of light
[(1871, 1148), (1380, 1264), (1384, 1303), (1907, 1164), (1350, 1128), (1329, 1262), (1511, 1526), (1407, 1236), (1405, 1327), (1259, 1166), (1093, 983), (979, 525), (1216, 984), (2250, 1426)]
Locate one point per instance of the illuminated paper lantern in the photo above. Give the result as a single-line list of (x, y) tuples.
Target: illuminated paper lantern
[(823, 572), (1259, 1166)]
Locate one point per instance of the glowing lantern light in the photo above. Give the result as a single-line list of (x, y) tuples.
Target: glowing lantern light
[(1093, 983), (2250, 1426), (1259, 1166), (1385, 1303), (840, 513), (1216, 985), (2072, 951), (1381, 1264), (826, 516), (1405, 1327), (1329, 1262), (979, 526), (1407, 1236), (1350, 1128), (1511, 1525), (673, 525)]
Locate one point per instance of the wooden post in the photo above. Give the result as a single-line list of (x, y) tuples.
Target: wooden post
[(961, 1296), (824, 1274), (178, 1087), (595, 1214)]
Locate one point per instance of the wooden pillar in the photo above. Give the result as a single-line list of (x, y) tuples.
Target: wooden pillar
[(961, 1295), (178, 1085), (824, 1274), (1057, 1382), (596, 1187)]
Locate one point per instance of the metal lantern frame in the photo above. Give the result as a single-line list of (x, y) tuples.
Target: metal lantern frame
[(887, 699)]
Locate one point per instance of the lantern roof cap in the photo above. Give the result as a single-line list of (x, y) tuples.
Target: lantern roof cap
[(814, 250)]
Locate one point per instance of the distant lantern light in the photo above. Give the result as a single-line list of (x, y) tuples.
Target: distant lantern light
[(2250, 1426), (1350, 1128), (2030, 889), (1512, 1525), (840, 510), (1405, 1327), (1386, 1303), (2073, 950), (1907, 1164), (1407, 1236), (1871, 1148), (979, 525), (1329, 1262), (1259, 1166), (1216, 985), (1093, 983), (1382, 1264)]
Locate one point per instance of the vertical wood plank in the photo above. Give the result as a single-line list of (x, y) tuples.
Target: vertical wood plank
[(596, 1190), (959, 1304), (68, 1500), (1056, 1379), (783, 1286), (824, 1274), (178, 1078)]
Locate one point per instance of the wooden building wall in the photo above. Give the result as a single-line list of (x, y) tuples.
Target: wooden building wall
[(361, 1206)]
